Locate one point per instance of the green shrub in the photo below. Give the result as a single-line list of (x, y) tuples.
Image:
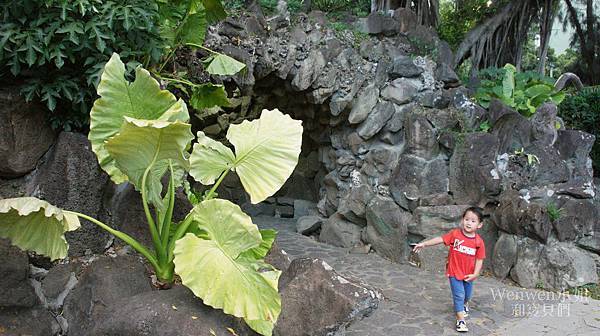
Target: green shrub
[(56, 49), (582, 111), (554, 213), (359, 8), (523, 91)]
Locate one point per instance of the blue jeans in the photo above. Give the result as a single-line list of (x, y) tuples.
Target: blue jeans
[(461, 293)]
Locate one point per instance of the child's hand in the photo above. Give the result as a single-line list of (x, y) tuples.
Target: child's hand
[(471, 277), (418, 247)]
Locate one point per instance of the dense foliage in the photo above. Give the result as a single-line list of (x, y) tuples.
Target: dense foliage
[(458, 17), (56, 49), (523, 91), (582, 111)]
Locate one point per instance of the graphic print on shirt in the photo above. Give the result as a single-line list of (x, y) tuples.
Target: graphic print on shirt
[(458, 246)]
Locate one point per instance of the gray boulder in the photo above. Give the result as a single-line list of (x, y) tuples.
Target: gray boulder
[(308, 72), (446, 74), (518, 215), (73, 167), (339, 232), (380, 115), (421, 137), (473, 173), (400, 91), (379, 23), (317, 301), (416, 178), (58, 283), (380, 162), (101, 286), (165, 313), (387, 228), (406, 18), (577, 218), (505, 255), (396, 122), (363, 105), (435, 221), (555, 266), (353, 203), (25, 134), (304, 208), (574, 147), (31, 322), (14, 271), (308, 224), (404, 66)]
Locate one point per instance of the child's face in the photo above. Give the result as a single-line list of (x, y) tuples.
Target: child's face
[(470, 222)]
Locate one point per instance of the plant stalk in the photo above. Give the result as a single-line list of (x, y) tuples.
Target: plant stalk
[(214, 187), (124, 237), (151, 224)]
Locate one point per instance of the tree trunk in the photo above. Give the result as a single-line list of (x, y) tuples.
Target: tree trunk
[(548, 12), (587, 40)]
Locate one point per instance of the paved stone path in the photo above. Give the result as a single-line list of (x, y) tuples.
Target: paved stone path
[(418, 302)]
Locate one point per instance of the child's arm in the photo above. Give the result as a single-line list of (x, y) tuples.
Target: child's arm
[(430, 242), (478, 265)]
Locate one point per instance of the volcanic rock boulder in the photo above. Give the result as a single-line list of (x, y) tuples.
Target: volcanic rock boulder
[(25, 135), (102, 287), (318, 301), (71, 179)]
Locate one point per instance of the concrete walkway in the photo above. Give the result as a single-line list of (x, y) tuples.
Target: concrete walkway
[(418, 302)]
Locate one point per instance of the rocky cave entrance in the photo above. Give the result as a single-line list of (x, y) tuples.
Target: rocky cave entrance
[(301, 192)]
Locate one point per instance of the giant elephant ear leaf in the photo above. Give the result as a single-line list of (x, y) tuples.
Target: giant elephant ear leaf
[(35, 225), (209, 159), (214, 268), (220, 64), (151, 144), (266, 152), (140, 99)]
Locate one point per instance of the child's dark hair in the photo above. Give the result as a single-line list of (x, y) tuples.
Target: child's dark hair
[(477, 211)]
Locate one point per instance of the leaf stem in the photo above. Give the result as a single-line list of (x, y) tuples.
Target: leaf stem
[(124, 237), (167, 59), (203, 47), (168, 218), (151, 224), (212, 190), (182, 81), (178, 234)]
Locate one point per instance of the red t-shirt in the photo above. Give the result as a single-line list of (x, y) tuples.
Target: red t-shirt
[(462, 253)]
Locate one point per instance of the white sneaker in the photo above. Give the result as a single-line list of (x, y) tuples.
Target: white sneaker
[(461, 326), (466, 311)]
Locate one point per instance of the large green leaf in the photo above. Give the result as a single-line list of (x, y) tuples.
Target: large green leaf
[(538, 89), (193, 29), (151, 143), (214, 268), (266, 152), (262, 327), (224, 65), (508, 82), (35, 225), (215, 11), (141, 99), (259, 252), (209, 159), (208, 95)]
